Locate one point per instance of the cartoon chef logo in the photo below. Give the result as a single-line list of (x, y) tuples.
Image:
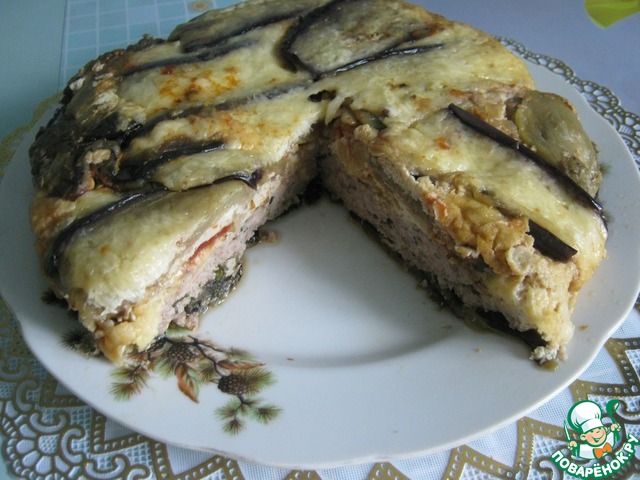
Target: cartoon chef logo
[(596, 439)]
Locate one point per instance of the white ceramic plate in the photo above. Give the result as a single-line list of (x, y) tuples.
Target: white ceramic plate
[(367, 368)]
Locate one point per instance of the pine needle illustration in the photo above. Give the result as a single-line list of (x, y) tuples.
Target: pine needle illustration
[(195, 363)]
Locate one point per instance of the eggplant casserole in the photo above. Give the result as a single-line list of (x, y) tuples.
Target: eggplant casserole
[(165, 158)]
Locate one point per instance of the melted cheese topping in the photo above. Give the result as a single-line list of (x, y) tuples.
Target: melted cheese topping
[(407, 88), (115, 264), (249, 69)]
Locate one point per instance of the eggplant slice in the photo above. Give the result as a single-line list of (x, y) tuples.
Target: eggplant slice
[(214, 28), (549, 125), (479, 125), (345, 32)]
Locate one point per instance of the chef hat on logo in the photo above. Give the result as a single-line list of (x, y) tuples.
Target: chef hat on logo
[(585, 416)]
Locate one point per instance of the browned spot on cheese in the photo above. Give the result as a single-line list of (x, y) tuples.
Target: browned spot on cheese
[(442, 143)]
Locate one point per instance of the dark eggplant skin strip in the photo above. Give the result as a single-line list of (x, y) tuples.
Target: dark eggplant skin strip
[(249, 179), (549, 245), (108, 129), (392, 52), (497, 321), (260, 95), (480, 126), (147, 127), (203, 56), (143, 167), (205, 43)]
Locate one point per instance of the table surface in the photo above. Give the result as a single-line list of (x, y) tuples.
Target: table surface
[(44, 43)]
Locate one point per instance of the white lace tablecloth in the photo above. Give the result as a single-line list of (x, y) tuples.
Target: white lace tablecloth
[(47, 432)]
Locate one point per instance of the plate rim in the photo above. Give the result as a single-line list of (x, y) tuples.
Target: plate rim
[(611, 112)]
